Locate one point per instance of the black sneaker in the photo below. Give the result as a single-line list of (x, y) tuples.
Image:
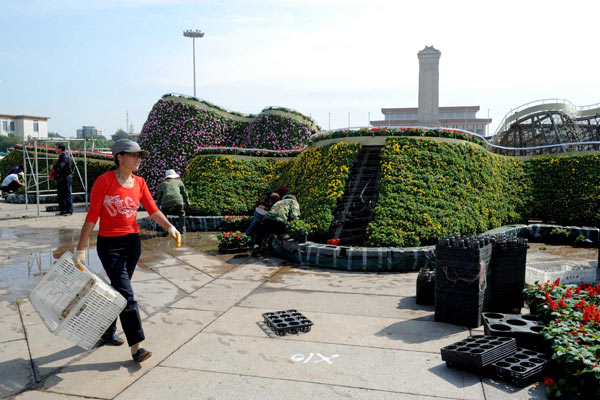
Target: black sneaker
[(112, 340), (141, 355)]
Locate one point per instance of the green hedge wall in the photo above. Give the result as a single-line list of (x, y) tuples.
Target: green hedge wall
[(221, 185), (429, 189), (224, 186), (317, 178), (565, 189)]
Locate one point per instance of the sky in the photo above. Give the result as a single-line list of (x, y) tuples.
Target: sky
[(90, 62)]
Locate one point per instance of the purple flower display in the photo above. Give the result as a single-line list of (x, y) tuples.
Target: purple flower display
[(176, 131)]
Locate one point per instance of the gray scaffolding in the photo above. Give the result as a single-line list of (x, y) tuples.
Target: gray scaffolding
[(33, 165)]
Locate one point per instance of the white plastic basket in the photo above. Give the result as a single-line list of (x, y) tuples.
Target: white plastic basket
[(568, 272), (76, 304)]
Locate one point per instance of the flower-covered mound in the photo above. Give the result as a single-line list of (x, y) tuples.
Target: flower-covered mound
[(430, 189), (178, 127), (219, 185)]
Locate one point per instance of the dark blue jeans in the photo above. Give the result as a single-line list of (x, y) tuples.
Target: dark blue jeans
[(63, 193), (256, 221), (119, 256)]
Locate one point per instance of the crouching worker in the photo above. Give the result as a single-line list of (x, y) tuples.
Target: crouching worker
[(172, 198), (116, 197), (282, 212), (12, 182), (262, 207)]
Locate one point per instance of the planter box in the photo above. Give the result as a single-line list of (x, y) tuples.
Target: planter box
[(233, 249), (568, 272)]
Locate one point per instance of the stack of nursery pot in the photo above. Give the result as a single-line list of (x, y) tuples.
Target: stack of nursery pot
[(462, 274), (509, 258)]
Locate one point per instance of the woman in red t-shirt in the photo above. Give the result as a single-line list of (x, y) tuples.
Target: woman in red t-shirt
[(116, 197)]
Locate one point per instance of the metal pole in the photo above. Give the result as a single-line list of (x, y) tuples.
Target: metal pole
[(348, 119), (25, 171), (85, 165), (37, 181), (194, 62), (329, 128)]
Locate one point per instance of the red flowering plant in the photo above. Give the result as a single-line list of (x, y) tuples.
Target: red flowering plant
[(232, 239), (236, 222), (573, 332)]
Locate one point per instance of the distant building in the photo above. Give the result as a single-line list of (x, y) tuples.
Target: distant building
[(429, 113), (24, 126), (88, 131), (133, 136), (459, 117)]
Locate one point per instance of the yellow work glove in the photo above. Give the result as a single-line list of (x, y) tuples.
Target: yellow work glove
[(79, 259), (175, 235)]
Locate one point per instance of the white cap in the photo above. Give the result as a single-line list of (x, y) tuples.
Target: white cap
[(171, 174)]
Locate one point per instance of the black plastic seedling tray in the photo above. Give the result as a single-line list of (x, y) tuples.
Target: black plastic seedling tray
[(524, 328), (475, 352), (288, 321), (521, 368)]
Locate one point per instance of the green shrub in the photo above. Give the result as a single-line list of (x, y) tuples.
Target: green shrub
[(225, 186), (565, 190), (430, 189), (317, 178)]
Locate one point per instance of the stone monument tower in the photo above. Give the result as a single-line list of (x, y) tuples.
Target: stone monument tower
[(429, 86)]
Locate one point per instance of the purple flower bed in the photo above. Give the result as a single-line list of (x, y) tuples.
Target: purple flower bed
[(175, 132), (274, 132)]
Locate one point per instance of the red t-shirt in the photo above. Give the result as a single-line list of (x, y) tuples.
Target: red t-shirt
[(117, 206)]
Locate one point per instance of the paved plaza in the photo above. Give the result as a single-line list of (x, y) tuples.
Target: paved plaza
[(203, 321)]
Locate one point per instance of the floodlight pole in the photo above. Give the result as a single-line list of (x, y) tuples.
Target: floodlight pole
[(194, 34)]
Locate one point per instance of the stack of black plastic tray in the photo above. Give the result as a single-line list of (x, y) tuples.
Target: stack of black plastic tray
[(462, 277), (521, 368), (526, 329), (476, 352), (426, 287), (288, 321), (509, 257)]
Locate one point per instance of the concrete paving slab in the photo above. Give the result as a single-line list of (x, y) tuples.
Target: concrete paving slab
[(175, 383), (354, 330), (143, 274), (155, 294), (41, 395), (7, 307), (28, 313), (219, 295), (207, 264), (352, 366), (251, 271), (111, 369), (496, 390), (10, 321), (339, 303), (402, 285), (15, 366), (155, 261), (49, 352), (184, 277)]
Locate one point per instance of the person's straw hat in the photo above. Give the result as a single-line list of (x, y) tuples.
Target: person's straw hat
[(171, 174)]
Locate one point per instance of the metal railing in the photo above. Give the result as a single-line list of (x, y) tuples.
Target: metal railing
[(567, 104)]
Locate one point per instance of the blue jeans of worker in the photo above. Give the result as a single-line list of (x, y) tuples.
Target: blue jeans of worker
[(256, 221), (119, 256), (63, 193)]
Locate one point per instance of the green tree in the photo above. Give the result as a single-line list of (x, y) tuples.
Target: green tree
[(9, 141), (55, 134), (119, 134)]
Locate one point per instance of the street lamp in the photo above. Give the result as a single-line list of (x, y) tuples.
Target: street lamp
[(194, 34)]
